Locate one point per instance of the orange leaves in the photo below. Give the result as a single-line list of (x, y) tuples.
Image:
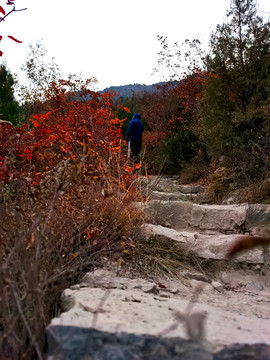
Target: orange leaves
[(127, 244), (116, 148), (85, 132), (27, 154), (137, 166), (128, 169), (35, 123), (52, 139), (91, 233)]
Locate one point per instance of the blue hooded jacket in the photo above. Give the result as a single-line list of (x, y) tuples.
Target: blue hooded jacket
[(135, 129)]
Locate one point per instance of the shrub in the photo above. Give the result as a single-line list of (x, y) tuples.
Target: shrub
[(66, 206), (177, 150), (152, 141)]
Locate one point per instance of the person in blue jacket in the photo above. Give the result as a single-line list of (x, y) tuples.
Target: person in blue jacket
[(134, 136)]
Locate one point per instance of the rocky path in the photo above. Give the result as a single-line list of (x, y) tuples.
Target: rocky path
[(220, 312)]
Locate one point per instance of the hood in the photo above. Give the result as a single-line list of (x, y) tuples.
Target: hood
[(136, 116)]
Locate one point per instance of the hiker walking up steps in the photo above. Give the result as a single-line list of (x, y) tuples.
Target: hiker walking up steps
[(134, 137)]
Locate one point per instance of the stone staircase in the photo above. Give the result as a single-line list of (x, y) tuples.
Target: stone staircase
[(184, 213), (168, 189), (107, 316)]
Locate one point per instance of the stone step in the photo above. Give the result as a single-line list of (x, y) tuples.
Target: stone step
[(185, 215), (215, 246), (116, 317), (168, 185), (197, 198)]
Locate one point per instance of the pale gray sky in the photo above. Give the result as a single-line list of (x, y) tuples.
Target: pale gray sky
[(113, 40)]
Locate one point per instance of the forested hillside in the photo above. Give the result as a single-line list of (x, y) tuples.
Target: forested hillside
[(128, 90)]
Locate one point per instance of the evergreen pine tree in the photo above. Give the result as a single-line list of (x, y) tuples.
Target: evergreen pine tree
[(9, 107)]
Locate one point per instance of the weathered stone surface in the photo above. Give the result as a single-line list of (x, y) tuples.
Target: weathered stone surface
[(182, 215), (218, 217), (175, 214), (169, 185), (217, 247), (199, 198), (195, 275), (159, 183), (75, 287), (168, 196), (191, 189), (101, 278), (158, 230), (105, 323), (111, 317), (244, 352), (205, 246), (73, 343), (217, 286), (253, 286), (257, 215), (133, 311)]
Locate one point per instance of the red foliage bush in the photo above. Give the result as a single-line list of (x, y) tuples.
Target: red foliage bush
[(78, 126), (66, 207)]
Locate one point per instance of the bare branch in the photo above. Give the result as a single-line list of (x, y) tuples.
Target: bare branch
[(26, 324), (11, 11)]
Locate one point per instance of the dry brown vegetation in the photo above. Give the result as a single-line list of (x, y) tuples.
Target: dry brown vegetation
[(49, 236)]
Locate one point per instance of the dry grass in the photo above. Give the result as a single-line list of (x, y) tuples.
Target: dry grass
[(50, 236), (158, 256), (254, 193)]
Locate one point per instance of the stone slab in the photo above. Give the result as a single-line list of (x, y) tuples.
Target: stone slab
[(135, 312), (73, 343), (197, 198), (184, 215), (215, 246)]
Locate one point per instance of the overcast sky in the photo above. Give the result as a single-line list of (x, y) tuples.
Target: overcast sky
[(112, 40)]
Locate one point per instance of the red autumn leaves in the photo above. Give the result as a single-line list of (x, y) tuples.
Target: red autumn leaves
[(73, 129), (13, 38)]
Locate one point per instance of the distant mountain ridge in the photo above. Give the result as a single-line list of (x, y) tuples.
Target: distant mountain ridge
[(129, 90)]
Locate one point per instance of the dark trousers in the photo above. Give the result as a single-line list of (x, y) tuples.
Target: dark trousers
[(135, 148)]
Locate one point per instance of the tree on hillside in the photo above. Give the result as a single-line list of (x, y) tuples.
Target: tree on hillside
[(232, 113), (177, 60), (9, 107), (39, 72)]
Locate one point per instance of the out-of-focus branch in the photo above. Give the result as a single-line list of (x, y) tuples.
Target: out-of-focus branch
[(11, 11)]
